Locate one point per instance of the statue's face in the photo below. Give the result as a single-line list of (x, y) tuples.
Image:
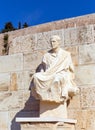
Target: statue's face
[(55, 43)]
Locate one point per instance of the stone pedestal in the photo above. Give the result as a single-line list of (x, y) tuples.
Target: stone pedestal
[(53, 116), (46, 123), (52, 109)]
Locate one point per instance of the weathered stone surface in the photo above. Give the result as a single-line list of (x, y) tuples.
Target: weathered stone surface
[(85, 118), (13, 86), (3, 96), (88, 97), (1, 44), (43, 41), (4, 121), (79, 35), (12, 101), (90, 122), (75, 102), (85, 34), (15, 101), (53, 110), (33, 59), (47, 126), (16, 81), (23, 80), (20, 80), (23, 44), (85, 75), (4, 81), (11, 63), (38, 41), (77, 114), (74, 54), (70, 36), (87, 54)]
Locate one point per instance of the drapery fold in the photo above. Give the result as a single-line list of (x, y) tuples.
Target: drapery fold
[(57, 81)]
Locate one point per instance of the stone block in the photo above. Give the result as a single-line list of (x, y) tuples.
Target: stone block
[(4, 95), (90, 122), (70, 36), (80, 116), (32, 60), (46, 124), (52, 109), (4, 81), (88, 97), (87, 54), (12, 101), (20, 80), (13, 86), (74, 53), (22, 44), (15, 101), (85, 34), (75, 102), (4, 122), (79, 35), (11, 63), (85, 118), (43, 41), (85, 75)]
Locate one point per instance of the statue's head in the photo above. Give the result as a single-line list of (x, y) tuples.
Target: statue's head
[(55, 41)]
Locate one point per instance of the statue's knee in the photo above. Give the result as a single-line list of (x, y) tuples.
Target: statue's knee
[(34, 75)]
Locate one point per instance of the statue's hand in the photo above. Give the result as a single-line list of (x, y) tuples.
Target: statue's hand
[(77, 90)]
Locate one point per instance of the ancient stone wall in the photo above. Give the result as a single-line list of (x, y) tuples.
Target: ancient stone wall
[(56, 25), (25, 52)]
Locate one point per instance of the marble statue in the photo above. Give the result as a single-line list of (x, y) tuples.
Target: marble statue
[(55, 81)]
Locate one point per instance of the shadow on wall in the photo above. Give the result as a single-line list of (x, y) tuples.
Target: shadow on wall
[(31, 109)]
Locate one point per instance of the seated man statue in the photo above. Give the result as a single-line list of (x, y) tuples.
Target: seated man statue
[(55, 82)]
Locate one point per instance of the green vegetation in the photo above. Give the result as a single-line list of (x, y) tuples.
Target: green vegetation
[(25, 25), (5, 51), (9, 27)]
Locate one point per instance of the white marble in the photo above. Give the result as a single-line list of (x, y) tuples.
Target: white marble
[(45, 119)]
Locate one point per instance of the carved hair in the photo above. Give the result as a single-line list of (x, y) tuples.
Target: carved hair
[(55, 37)]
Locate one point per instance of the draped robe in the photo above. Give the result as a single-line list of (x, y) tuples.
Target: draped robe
[(56, 83)]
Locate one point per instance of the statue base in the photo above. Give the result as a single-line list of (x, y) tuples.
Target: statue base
[(53, 116), (46, 123), (52, 109)]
